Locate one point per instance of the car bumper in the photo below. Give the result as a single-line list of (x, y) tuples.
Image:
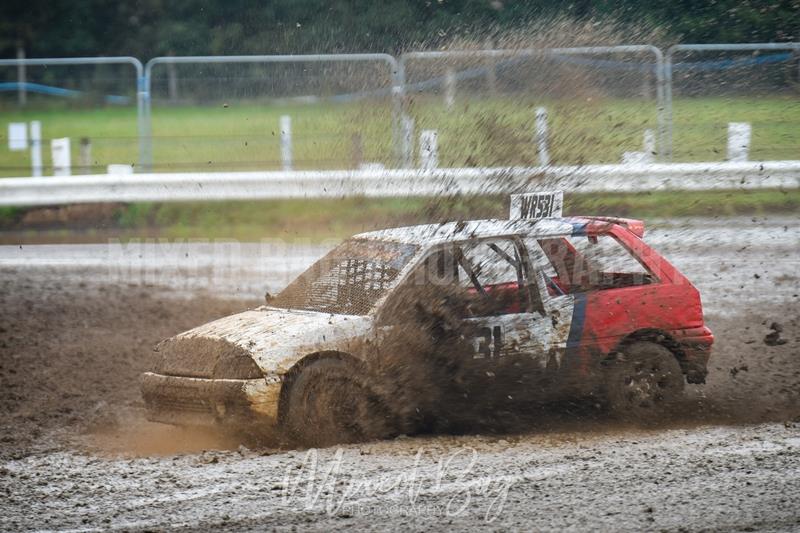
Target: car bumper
[(696, 345), (202, 402)]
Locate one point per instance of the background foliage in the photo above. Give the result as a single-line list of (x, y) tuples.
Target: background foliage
[(148, 28)]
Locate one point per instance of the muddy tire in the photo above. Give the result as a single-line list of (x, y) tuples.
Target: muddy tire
[(644, 382), (330, 402)]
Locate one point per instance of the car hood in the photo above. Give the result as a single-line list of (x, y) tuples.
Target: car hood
[(277, 338)]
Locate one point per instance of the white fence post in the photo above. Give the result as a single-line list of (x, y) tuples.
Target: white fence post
[(36, 148), (738, 141), (17, 136), (646, 156), (428, 149), (541, 136), (407, 137), (649, 145), (62, 160), (286, 142), (117, 170), (449, 88)]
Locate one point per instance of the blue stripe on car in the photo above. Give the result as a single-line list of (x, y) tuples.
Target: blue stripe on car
[(578, 320), (578, 228)]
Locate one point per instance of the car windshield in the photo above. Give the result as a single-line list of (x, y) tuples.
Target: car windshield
[(349, 280)]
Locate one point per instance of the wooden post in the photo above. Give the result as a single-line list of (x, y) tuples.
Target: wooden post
[(86, 156)]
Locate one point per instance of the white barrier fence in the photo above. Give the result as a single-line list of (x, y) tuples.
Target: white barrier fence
[(399, 182)]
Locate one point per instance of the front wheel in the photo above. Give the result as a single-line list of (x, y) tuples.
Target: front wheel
[(330, 402), (644, 382)]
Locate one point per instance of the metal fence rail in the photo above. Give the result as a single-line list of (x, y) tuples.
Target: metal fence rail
[(394, 183), (550, 52), (389, 60), (663, 69), (668, 68), (141, 86)]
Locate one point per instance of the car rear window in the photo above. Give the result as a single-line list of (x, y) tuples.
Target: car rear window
[(349, 280)]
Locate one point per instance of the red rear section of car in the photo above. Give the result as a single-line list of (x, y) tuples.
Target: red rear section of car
[(666, 309)]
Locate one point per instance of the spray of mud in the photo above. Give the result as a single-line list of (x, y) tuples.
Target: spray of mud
[(70, 356), (131, 434), (596, 115), (422, 369), (484, 108)]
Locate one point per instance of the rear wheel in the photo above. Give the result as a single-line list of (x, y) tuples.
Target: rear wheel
[(330, 402), (644, 382)]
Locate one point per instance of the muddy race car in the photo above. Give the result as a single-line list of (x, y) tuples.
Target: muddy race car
[(537, 307)]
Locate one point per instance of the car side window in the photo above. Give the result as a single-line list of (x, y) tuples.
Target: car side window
[(492, 273), (577, 264), (488, 276), (492, 262), (543, 268)]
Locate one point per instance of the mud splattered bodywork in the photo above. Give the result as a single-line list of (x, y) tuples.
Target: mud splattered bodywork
[(543, 303), (231, 368)]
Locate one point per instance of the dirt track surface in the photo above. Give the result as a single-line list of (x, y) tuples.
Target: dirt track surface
[(76, 454), (727, 478)]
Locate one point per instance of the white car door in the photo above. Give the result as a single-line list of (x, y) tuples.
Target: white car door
[(509, 329), (557, 304)]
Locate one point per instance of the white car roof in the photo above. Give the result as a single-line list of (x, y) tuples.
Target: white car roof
[(473, 229)]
